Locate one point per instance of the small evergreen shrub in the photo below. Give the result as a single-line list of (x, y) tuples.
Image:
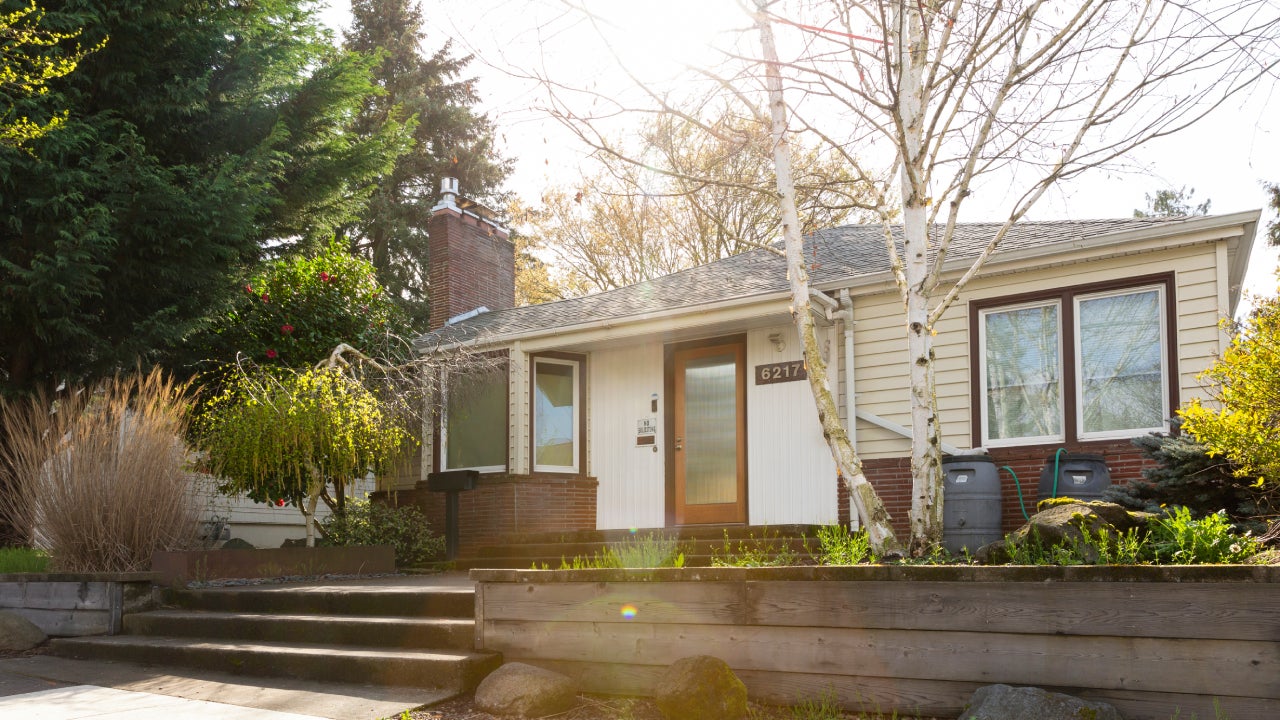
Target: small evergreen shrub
[(1185, 475), (404, 528)]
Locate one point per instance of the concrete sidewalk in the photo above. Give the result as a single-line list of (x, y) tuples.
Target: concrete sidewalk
[(45, 687)]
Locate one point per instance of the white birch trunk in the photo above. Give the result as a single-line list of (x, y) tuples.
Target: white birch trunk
[(916, 285), (863, 497)]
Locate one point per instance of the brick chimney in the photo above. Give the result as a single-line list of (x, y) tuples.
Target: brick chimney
[(471, 258)]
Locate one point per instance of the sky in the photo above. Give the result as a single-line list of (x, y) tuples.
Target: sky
[(1225, 158)]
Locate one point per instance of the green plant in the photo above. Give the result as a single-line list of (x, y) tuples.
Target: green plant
[(841, 547), (605, 560), (768, 550), (98, 475), (826, 707), (368, 523), (23, 560), (1178, 537), (648, 551)]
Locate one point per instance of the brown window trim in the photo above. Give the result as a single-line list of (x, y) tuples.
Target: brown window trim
[(437, 449), (582, 411), (1067, 295), (669, 417)]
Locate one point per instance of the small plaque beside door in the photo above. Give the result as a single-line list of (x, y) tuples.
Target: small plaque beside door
[(781, 372)]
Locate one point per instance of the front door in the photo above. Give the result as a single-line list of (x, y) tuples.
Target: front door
[(710, 435)]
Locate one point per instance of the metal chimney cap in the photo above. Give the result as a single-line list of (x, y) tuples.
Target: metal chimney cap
[(449, 186)]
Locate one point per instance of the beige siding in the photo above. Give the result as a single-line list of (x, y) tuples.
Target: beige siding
[(880, 363), (621, 384), (791, 476)]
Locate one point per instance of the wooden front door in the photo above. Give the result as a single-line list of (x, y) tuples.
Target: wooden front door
[(709, 437)]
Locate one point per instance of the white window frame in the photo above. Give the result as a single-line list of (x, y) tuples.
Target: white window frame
[(577, 415), (1161, 312), (444, 431), (987, 441)]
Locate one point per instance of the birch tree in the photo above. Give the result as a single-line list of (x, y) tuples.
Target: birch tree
[(932, 101)]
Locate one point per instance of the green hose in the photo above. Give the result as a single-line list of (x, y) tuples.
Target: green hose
[(1056, 456), (1017, 485)]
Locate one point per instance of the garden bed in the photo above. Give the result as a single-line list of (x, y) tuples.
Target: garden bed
[(75, 604), (179, 567), (1152, 640)]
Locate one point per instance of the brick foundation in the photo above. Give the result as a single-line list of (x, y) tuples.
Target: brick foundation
[(503, 506), (891, 478)]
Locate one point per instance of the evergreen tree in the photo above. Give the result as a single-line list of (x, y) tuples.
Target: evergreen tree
[(1173, 203), (450, 138), (200, 135)]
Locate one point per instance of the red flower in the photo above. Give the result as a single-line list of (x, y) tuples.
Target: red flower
[(324, 277), (266, 298), (272, 354), (286, 329), (248, 289), (280, 502)]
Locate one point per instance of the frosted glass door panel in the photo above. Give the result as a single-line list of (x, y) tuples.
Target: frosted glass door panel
[(711, 426)]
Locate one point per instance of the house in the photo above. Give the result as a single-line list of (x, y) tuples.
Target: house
[(681, 400)]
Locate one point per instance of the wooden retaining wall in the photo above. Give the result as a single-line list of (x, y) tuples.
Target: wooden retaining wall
[(76, 604), (1153, 641)]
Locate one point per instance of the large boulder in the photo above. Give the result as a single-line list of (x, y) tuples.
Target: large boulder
[(701, 687), (18, 634), (519, 690), (1065, 521), (1002, 702)]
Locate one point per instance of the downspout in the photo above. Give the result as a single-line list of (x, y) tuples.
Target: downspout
[(850, 403)]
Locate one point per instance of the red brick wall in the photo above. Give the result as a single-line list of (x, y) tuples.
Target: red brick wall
[(503, 506), (472, 264), (891, 478)]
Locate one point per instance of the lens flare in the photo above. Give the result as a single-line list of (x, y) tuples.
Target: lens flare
[(629, 612)]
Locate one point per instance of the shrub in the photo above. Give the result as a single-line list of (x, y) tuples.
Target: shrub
[(404, 528), (1186, 474), (97, 475)]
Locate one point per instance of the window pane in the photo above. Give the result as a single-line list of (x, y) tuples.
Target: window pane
[(1120, 362), (711, 430), (553, 415), (476, 414), (1022, 372)]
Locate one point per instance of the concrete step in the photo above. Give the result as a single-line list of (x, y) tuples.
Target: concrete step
[(443, 602), (386, 632), (456, 671)]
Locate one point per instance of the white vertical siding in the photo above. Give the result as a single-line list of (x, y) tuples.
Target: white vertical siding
[(621, 384), (790, 473)]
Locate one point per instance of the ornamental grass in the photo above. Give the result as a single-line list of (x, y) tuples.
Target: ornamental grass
[(96, 475)]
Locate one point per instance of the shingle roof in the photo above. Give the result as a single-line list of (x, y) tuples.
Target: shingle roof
[(841, 253)]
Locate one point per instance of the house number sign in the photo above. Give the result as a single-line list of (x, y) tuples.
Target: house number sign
[(781, 372)]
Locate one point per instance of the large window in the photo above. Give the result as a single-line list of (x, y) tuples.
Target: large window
[(473, 432), (1078, 364), (557, 414)]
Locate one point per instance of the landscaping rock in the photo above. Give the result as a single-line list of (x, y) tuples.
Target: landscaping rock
[(18, 634), (519, 690), (1063, 521), (1002, 702), (699, 687), (237, 544)]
